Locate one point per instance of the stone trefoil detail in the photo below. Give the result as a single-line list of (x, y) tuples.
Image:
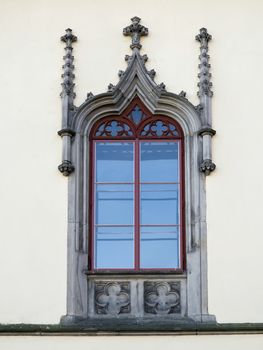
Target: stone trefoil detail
[(135, 30), (204, 108)]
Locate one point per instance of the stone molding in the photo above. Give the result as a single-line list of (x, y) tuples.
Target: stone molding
[(206, 130), (113, 326)]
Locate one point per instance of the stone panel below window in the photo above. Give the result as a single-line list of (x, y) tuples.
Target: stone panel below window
[(128, 296)]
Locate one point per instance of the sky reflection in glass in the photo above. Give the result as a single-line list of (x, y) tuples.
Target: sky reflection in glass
[(114, 247), (114, 161), (159, 162), (159, 202), (159, 247), (114, 204)]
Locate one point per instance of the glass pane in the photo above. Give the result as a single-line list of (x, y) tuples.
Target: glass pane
[(159, 128), (114, 204), (113, 128), (160, 204), (114, 247), (136, 115), (114, 162), (159, 162), (159, 247)]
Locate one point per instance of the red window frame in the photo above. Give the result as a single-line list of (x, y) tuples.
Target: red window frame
[(136, 138)]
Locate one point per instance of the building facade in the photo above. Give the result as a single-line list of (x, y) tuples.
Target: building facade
[(45, 228)]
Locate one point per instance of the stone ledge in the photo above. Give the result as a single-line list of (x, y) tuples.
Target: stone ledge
[(130, 327)]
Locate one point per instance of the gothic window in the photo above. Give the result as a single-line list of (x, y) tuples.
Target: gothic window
[(137, 156), (136, 192)]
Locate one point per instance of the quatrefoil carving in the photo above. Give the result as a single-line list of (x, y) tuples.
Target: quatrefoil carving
[(112, 298), (161, 297)]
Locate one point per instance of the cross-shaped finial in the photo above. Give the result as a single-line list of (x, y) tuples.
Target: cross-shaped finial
[(135, 30)]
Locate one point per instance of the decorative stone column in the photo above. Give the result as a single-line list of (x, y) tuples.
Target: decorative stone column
[(205, 95), (67, 96)]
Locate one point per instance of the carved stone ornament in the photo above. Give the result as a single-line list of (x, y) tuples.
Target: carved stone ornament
[(68, 76), (112, 298), (162, 298), (135, 30), (182, 94), (66, 168), (199, 108), (161, 87), (111, 87), (204, 85), (207, 166), (89, 95)]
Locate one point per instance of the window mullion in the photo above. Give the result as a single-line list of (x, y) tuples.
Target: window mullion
[(137, 204)]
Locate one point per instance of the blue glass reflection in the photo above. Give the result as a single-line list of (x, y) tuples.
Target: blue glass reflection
[(137, 115), (159, 247), (114, 247), (114, 162), (114, 204), (160, 204), (159, 162)]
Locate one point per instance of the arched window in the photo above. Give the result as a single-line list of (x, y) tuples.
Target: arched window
[(137, 195)]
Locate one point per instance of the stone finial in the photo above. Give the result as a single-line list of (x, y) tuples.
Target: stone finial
[(204, 76), (68, 67), (203, 35), (135, 30), (161, 87), (68, 38), (89, 95), (182, 94), (111, 87)]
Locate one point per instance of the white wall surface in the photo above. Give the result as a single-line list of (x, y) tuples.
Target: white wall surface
[(33, 195), (234, 342)]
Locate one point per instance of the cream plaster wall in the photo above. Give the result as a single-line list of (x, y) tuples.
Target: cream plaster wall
[(233, 342), (33, 195)]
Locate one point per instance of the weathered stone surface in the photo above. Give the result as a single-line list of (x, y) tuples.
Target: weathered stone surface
[(112, 298), (162, 298)]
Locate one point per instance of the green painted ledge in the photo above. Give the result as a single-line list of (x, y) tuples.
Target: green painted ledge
[(111, 327)]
